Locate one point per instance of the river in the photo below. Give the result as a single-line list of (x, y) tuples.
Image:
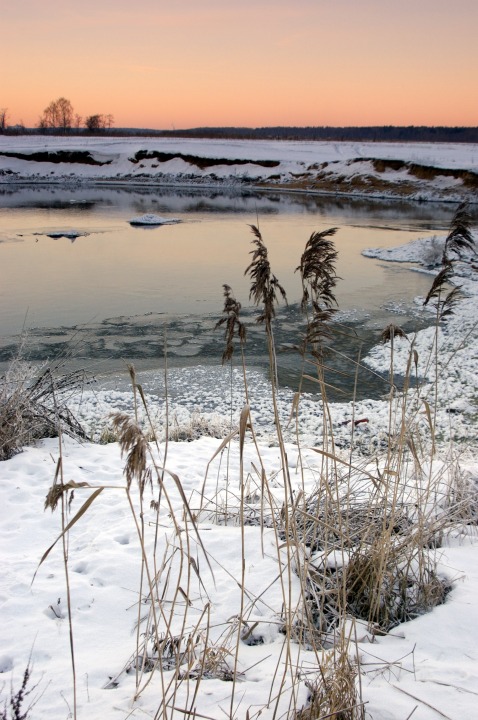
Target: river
[(118, 294)]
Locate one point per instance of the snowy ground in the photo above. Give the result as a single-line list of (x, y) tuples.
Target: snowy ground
[(428, 663), (421, 171)]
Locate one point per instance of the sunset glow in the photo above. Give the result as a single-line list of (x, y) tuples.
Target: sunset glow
[(253, 63)]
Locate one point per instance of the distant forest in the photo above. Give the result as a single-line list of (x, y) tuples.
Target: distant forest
[(387, 133)]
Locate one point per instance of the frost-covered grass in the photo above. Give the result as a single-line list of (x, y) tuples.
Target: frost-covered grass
[(318, 562), (32, 403)]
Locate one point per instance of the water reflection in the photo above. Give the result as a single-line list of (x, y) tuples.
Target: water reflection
[(82, 198)]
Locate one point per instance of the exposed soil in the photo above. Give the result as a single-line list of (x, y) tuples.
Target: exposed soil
[(82, 157), (200, 162), (424, 172), (328, 183)]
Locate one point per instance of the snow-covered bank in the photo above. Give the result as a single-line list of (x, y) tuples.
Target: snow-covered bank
[(447, 355), (419, 171)]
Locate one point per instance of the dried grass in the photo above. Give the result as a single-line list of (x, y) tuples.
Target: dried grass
[(361, 544), (196, 426), (334, 693), (33, 405), (20, 703)]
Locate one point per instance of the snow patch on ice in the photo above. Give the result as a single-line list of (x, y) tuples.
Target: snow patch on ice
[(152, 219)]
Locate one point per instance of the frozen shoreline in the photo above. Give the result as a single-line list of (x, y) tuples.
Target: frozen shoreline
[(413, 171)]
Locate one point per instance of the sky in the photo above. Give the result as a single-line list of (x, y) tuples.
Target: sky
[(159, 64)]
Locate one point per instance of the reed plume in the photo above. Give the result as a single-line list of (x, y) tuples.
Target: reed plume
[(446, 306), (319, 278), (264, 286), (459, 237), (134, 445), (458, 240), (234, 326), (392, 331)]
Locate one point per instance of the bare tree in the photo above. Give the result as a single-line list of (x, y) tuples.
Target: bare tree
[(65, 112), (50, 116), (109, 120), (3, 119), (95, 122), (58, 114)]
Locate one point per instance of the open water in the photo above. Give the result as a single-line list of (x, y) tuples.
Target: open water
[(119, 294)]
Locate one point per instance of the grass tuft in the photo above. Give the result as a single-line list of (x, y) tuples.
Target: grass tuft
[(16, 707), (34, 404)]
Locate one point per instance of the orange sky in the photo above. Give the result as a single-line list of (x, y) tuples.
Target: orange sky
[(243, 62)]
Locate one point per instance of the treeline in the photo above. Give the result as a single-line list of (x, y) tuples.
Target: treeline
[(58, 117), (385, 133)]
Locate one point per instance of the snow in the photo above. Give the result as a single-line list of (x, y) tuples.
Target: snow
[(430, 661), (453, 374), (427, 667), (417, 251), (315, 167), (434, 658), (153, 220)]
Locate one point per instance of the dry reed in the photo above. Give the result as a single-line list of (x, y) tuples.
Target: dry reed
[(360, 545)]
